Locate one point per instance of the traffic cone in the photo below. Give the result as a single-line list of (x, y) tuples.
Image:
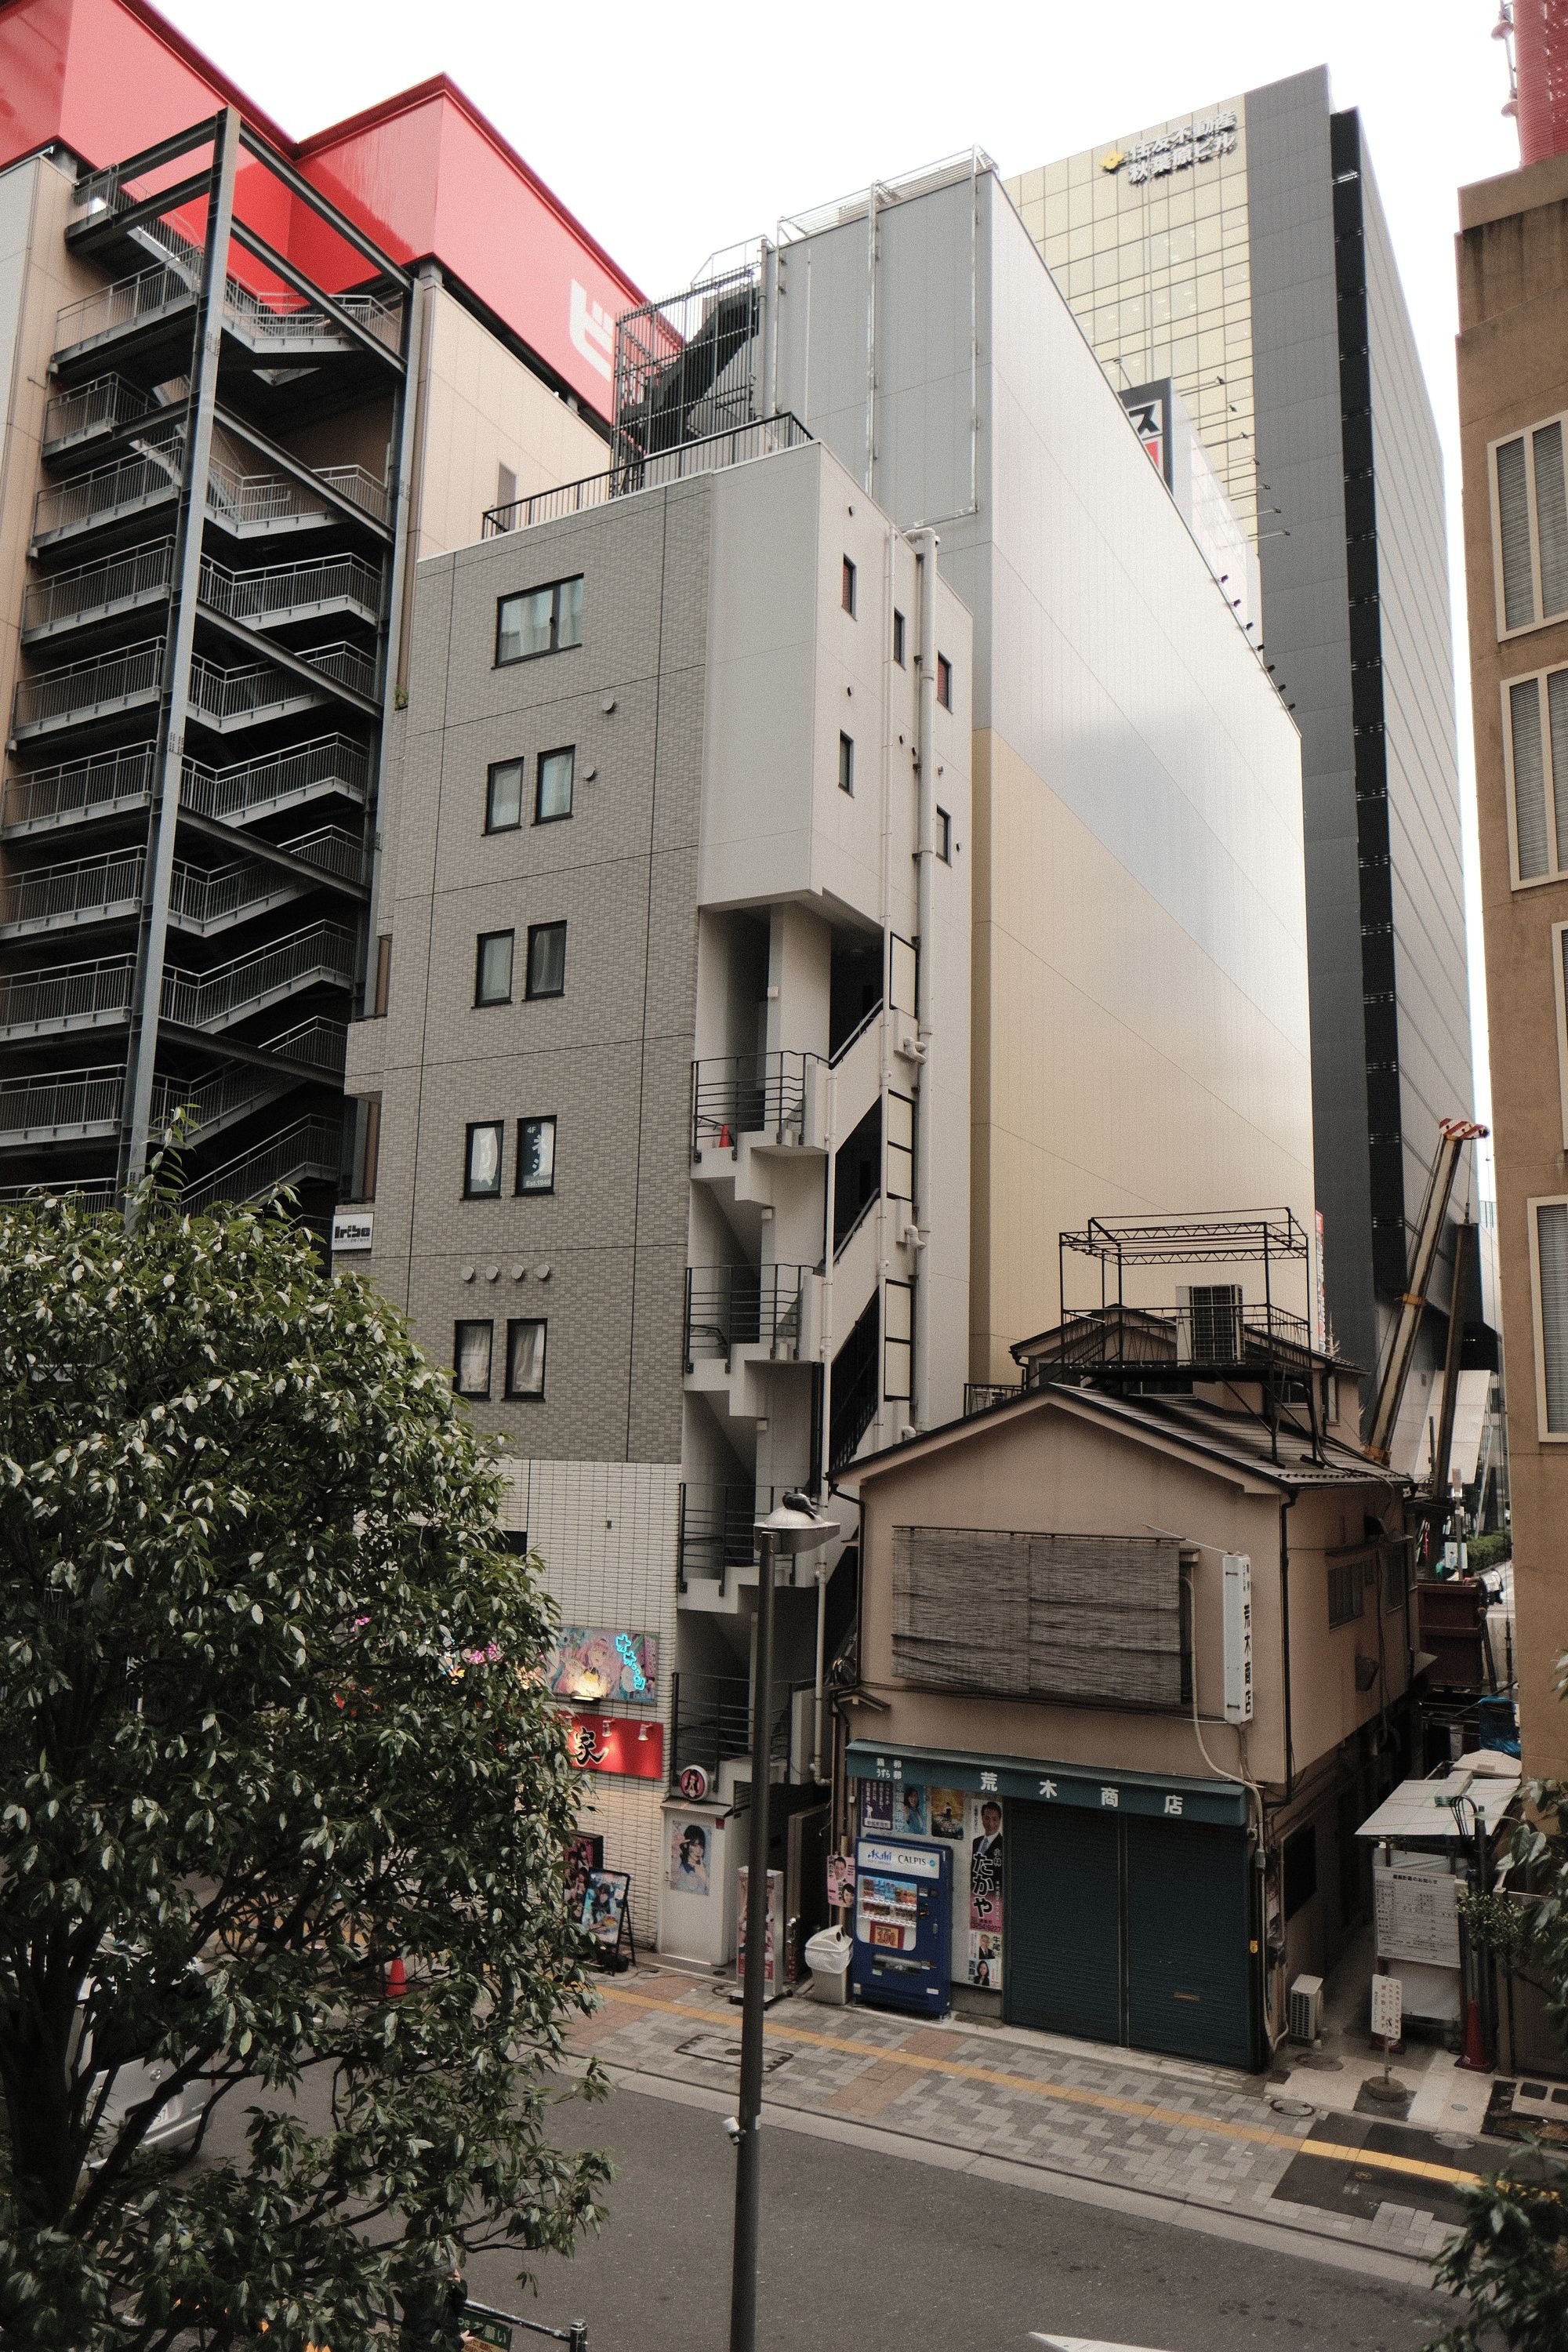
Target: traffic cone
[(726, 1140), (1474, 2061), (396, 1980)]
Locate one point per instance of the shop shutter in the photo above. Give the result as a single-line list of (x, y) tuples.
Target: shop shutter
[(1062, 1962), (1189, 1972)]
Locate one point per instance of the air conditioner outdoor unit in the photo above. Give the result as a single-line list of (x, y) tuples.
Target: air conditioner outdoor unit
[(1306, 2009)]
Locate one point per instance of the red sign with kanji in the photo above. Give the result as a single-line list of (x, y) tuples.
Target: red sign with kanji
[(617, 1743)]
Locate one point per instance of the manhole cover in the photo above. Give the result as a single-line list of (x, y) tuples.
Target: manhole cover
[(1292, 2107), (723, 2050)]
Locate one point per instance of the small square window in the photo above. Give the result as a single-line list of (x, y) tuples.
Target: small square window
[(557, 774), (848, 588), (944, 681), (525, 1357), (547, 960), (899, 639), (471, 1345), (481, 1161), (536, 1155), (492, 968), (503, 796), (944, 837), (539, 621), (846, 765)]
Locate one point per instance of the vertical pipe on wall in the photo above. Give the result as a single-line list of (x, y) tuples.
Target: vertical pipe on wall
[(765, 399), (925, 543)]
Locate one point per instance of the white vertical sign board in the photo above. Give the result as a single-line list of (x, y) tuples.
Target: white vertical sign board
[(1236, 1570), (1387, 2009)]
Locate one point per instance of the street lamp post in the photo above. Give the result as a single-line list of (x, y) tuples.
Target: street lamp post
[(795, 1526)]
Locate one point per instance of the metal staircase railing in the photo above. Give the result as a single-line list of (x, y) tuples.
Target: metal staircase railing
[(53, 893), (118, 489), (120, 580), (95, 407), (86, 689), (232, 696), (125, 303), (320, 953), (79, 789), (327, 763), (285, 589), (731, 1307), (311, 1148), (65, 996), (73, 1099)]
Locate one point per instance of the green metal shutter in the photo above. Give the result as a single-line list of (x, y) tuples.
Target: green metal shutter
[(1189, 1970), (1062, 1956)]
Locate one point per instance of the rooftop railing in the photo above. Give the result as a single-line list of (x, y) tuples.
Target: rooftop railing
[(713, 454)]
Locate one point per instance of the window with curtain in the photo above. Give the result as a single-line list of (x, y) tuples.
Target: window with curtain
[(536, 1155), (557, 774), (547, 960), (503, 796), (481, 1161), (472, 1358), (525, 1357), (1551, 1271)]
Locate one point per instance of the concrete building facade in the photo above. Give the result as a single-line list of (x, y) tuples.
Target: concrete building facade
[(1242, 250), (1513, 395)]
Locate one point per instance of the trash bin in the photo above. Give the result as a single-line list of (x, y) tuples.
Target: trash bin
[(827, 1958)]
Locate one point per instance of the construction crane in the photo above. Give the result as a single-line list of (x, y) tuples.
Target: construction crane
[(1452, 1136)]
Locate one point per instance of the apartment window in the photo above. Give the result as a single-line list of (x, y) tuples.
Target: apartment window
[(899, 1114), (944, 681), (547, 960), (553, 795), (846, 765), (503, 796), (539, 621), (899, 625), (1530, 514), (1559, 989), (492, 968), (897, 1340), (536, 1155), (1536, 731), (847, 591), (1549, 1268), (525, 1357), (944, 837), (481, 1161), (364, 1147), (1347, 1587), (471, 1344)]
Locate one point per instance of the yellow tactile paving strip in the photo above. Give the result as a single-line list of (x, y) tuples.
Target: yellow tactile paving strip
[(1072, 2095)]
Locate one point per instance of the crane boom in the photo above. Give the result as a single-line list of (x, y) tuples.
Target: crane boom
[(1452, 1136)]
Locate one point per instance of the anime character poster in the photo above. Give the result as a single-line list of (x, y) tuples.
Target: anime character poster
[(690, 1858), (594, 1663), (604, 1906), (910, 1814), (583, 1856), (946, 1812), (876, 1808)]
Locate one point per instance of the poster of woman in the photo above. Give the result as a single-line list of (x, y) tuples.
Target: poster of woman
[(593, 1662), (605, 1904), (688, 1858), (583, 1856), (914, 1821)]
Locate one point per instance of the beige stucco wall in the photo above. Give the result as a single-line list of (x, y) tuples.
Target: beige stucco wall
[(1514, 370), (484, 409), (1049, 1469)]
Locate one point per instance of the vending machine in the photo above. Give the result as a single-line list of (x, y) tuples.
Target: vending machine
[(903, 1942)]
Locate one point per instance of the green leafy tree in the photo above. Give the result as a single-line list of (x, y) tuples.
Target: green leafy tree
[(1510, 2260), (269, 1720)]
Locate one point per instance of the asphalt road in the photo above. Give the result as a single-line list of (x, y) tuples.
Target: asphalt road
[(875, 2252)]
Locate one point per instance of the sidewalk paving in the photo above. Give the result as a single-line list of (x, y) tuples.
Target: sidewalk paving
[(1194, 2134)]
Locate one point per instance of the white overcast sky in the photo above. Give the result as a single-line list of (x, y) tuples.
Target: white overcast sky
[(673, 133)]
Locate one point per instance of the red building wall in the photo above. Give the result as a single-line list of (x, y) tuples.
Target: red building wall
[(1540, 64), (424, 175)]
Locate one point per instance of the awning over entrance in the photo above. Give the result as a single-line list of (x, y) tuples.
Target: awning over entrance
[(1169, 1797)]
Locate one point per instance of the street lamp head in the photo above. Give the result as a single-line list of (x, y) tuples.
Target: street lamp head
[(796, 1524)]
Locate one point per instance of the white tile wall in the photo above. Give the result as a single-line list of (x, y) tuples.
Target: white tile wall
[(607, 1533)]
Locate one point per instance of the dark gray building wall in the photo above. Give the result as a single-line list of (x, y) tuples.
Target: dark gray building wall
[(1356, 620)]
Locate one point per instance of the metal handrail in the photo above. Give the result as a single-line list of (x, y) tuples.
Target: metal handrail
[(334, 762), (978, 1396), (867, 1020), (332, 849), (82, 688), (710, 1721), (69, 1098), (258, 686), (276, 497), (80, 786), (312, 1146), (67, 992), (119, 305), (1188, 1336), (748, 1094), (209, 1000), (853, 1227), (284, 588), (130, 481), (107, 401), (718, 1528), (90, 885), (731, 1307), (141, 571), (712, 453)]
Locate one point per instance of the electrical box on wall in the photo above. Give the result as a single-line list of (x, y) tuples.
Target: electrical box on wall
[(1236, 1571)]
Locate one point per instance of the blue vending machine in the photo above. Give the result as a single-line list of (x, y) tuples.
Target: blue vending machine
[(903, 1927)]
